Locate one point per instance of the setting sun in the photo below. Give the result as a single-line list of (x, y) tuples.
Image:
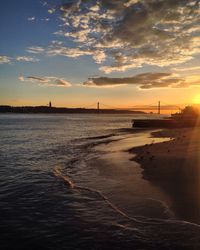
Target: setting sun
[(196, 100)]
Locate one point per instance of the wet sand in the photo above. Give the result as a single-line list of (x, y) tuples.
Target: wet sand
[(122, 178), (174, 166)]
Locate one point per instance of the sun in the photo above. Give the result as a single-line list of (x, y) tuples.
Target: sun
[(196, 100)]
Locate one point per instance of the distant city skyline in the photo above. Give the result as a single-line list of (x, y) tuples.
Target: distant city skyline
[(122, 53)]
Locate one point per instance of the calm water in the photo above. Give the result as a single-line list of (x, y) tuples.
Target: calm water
[(62, 186)]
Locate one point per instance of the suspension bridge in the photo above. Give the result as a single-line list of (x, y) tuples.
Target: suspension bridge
[(152, 108)]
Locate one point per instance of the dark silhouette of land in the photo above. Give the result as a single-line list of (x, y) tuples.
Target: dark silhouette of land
[(46, 109), (174, 166)]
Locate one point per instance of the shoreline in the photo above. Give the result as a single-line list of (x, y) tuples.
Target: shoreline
[(123, 180), (173, 166)]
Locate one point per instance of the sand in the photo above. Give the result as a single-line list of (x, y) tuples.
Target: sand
[(175, 167)]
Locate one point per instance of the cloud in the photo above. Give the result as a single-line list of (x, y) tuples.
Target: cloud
[(62, 82), (130, 2), (194, 68), (5, 59), (51, 11), (35, 50), (46, 81), (47, 19), (44, 3), (146, 81), (21, 78), (26, 59), (126, 34), (57, 49), (56, 42), (69, 52), (38, 79), (31, 19)]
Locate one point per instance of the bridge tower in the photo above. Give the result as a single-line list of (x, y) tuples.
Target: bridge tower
[(159, 107)]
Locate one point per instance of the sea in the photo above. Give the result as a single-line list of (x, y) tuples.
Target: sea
[(68, 181)]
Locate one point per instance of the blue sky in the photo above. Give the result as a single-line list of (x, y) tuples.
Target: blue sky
[(118, 52)]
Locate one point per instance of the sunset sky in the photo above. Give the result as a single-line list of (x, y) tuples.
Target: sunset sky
[(121, 53)]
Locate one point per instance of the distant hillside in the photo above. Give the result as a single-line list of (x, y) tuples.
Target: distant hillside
[(45, 109)]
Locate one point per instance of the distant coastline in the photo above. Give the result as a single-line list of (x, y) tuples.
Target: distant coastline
[(61, 110)]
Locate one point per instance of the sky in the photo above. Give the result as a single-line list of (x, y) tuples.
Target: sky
[(78, 52)]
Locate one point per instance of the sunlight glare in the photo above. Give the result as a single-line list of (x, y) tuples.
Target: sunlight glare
[(196, 99)]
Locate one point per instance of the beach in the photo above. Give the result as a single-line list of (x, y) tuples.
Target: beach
[(174, 167), (154, 184)]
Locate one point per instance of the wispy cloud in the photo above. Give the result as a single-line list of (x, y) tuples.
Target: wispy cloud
[(35, 50), (126, 34), (146, 81), (26, 59), (56, 48), (46, 81), (47, 19), (56, 42), (69, 52), (44, 3), (5, 59), (195, 68), (31, 19)]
